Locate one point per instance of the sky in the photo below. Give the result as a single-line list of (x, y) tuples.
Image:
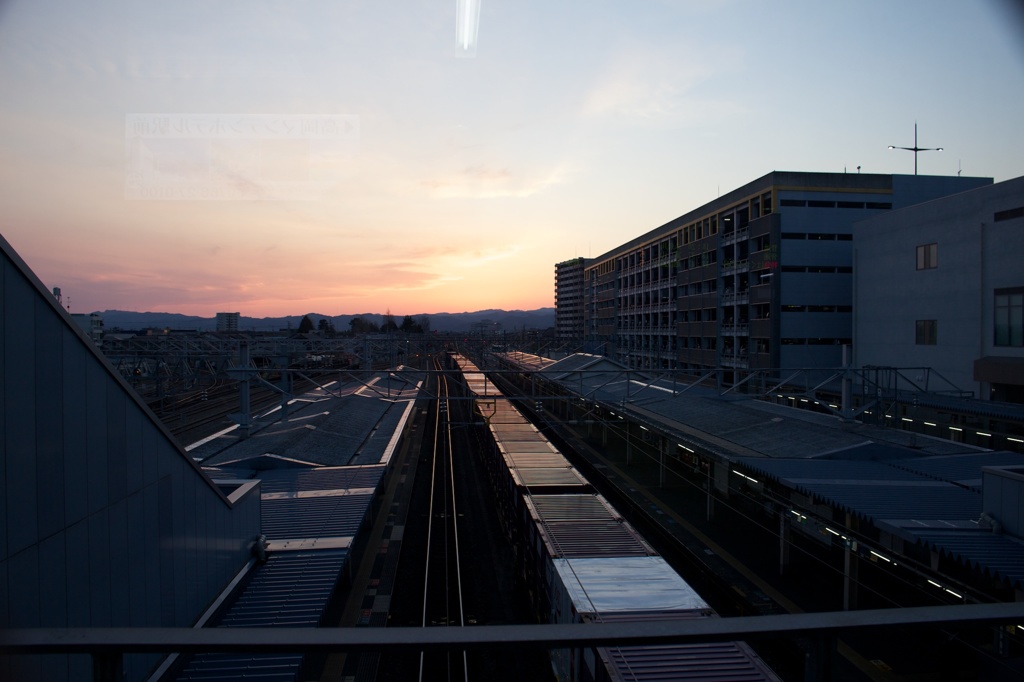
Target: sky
[(281, 157)]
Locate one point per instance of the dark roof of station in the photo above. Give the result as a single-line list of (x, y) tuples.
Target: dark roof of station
[(922, 489), (349, 424), (936, 501), (726, 423)]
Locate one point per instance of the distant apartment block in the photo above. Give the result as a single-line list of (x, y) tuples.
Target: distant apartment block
[(761, 277), (940, 285), (227, 322), (91, 324), (569, 299)]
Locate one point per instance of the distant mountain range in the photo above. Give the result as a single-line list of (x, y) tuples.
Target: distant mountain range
[(508, 320)]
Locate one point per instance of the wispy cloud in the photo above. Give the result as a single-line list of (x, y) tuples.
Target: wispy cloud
[(486, 182), (658, 81)]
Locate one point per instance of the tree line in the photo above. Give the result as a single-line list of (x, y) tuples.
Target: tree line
[(358, 325)]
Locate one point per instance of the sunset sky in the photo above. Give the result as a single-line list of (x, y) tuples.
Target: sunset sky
[(293, 156)]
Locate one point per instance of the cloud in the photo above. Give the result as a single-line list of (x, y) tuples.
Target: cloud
[(486, 182), (658, 82)]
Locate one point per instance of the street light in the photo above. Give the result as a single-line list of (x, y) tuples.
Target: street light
[(917, 149)]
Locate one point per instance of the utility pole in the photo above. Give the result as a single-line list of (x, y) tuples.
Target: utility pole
[(917, 149)]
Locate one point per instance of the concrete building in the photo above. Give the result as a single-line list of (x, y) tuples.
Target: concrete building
[(91, 324), (569, 299), (227, 322), (760, 277), (940, 285)]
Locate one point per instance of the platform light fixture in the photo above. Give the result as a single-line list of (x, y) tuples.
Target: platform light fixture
[(752, 480)]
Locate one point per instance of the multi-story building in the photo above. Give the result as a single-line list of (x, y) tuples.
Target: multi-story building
[(227, 322), (569, 299), (940, 285), (91, 324), (760, 277)]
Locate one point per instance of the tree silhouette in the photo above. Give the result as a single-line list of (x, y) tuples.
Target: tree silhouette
[(306, 325), (360, 326)]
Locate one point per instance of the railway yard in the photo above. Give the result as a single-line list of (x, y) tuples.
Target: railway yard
[(477, 520), (447, 504)]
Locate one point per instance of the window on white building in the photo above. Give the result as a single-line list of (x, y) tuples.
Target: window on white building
[(927, 332), (927, 256), (1009, 317)]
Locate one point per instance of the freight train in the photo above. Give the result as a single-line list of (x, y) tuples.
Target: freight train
[(580, 561)]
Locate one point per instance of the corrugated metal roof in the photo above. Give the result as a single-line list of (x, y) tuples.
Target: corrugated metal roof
[(935, 500), (873, 490), (333, 431), (577, 526), (538, 479), (607, 585), (961, 469), (723, 661), (524, 446), (314, 517), (292, 589), (580, 539), (536, 460), (499, 411), (323, 478), (573, 508), (516, 431), (997, 555)]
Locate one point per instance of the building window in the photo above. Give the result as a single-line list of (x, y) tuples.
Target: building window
[(927, 256), (1009, 314), (927, 332), (1009, 214)]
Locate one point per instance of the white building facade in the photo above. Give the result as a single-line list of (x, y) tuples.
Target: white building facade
[(941, 285)]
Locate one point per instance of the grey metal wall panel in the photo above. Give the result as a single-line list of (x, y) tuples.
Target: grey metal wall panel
[(49, 426), (188, 544), (204, 540), (117, 457), (810, 356), (89, 534), (179, 558), (151, 556), (5, 616), (137, 567), (76, 466), (19, 434), (133, 448), (3, 423), (53, 581), (119, 558), (165, 523), (812, 288), (150, 466), (96, 436), (817, 325), (23, 570), (98, 556), (76, 544)]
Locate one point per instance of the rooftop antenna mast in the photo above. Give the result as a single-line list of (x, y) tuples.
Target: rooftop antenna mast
[(917, 149)]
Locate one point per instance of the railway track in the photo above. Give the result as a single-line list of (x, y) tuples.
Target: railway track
[(442, 585), (456, 564)]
